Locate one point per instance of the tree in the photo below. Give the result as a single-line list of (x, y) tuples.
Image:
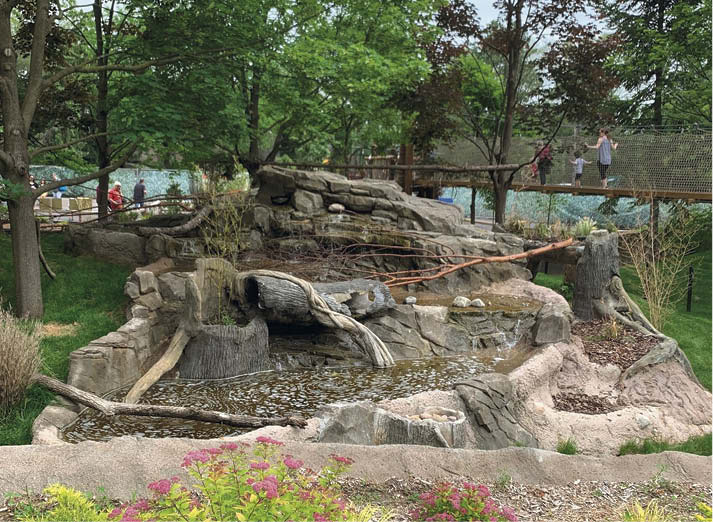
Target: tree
[(312, 78), (664, 60), (20, 96)]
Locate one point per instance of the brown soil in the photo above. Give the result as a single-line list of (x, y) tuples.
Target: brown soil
[(580, 403), (58, 330), (604, 342)]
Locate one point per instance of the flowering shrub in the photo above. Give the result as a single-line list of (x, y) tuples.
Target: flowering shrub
[(471, 502), (237, 482)]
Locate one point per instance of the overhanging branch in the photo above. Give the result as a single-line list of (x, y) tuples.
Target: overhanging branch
[(82, 179)]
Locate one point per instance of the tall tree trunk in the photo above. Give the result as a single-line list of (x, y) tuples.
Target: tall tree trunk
[(26, 258), (501, 197), (102, 114)]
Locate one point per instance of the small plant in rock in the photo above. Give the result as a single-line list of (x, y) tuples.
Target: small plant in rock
[(567, 447), (651, 513), (542, 231), (584, 227), (469, 502), (503, 480), (226, 319), (612, 330), (19, 357)]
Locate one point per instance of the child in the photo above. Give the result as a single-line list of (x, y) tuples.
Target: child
[(578, 163)]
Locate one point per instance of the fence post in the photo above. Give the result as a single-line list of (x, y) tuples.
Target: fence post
[(689, 297), (406, 158)]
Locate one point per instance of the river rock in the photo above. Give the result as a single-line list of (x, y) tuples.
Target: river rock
[(410, 300), (461, 302), (477, 303), (336, 208)]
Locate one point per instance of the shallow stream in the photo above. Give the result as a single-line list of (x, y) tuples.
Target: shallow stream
[(291, 392)]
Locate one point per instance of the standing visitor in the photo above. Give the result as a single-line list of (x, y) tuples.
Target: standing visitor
[(604, 146), (544, 162), (139, 193), (116, 200), (578, 163)]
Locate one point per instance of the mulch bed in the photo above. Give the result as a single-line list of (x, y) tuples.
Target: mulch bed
[(580, 403), (603, 344), (622, 350)]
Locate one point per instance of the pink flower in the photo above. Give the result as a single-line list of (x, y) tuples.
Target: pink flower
[(489, 507), (343, 460), (428, 498), (214, 451), (469, 486), (455, 500), (195, 456), (259, 465), (319, 518), (483, 490), (174, 479), (142, 505), (509, 513), (229, 446), (267, 440), (268, 486), (292, 463), (115, 512), (162, 487)]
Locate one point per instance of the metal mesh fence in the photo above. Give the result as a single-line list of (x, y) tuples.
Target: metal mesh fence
[(646, 159)]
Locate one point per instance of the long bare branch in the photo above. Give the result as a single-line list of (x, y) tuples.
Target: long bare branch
[(111, 408), (42, 150), (393, 281), (82, 179)]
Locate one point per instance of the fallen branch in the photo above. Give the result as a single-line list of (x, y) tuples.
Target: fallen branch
[(395, 279), (111, 408), (180, 229)]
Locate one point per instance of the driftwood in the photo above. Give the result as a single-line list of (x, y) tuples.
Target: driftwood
[(372, 345), (167, 361), (179, 229), (408, 277), (283, 301), (111, 408)]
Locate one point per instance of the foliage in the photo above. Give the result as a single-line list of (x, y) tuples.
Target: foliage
[(660, 261), (664, 60), (469, 502), (236, 484), (19, 357), (224, 230), (705, 512), (567, 447), (87, 295), (65, 504), (584, 227), (697, 445), (651, 513)]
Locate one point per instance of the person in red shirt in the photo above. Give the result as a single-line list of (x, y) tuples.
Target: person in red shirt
[(116, 200)]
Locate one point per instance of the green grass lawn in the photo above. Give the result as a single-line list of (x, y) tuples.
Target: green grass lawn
[(88, 294), (691, 329)]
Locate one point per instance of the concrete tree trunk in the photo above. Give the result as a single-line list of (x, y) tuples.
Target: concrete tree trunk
[(595, 269)]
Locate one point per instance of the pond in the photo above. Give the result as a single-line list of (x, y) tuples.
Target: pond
[(290, 392)]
